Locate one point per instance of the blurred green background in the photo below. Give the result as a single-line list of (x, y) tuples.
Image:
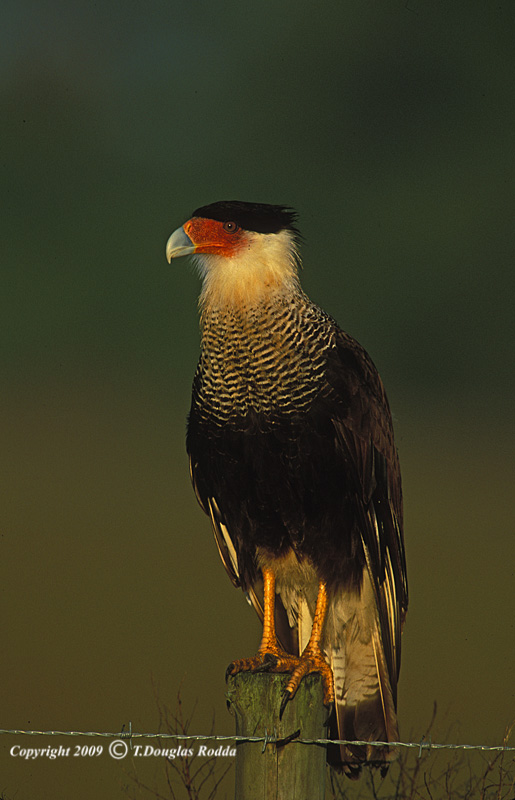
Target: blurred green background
[(390, 127)]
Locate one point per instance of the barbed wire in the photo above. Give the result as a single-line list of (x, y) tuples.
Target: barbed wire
[(129, 734)]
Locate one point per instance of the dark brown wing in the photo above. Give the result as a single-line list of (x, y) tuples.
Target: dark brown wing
[(365, 432), (227, 545)]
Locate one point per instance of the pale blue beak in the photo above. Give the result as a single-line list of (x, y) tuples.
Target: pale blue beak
[(179, 244)]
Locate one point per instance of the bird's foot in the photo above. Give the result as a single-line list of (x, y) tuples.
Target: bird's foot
[(311, 660), (273, 659)]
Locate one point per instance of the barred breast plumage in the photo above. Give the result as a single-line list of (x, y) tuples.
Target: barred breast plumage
[(269, 360)]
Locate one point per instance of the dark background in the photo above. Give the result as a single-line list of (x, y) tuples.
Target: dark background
[(390, 127)]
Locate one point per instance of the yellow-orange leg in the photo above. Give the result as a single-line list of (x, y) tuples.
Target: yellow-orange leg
[(270, 656), (312, 659)]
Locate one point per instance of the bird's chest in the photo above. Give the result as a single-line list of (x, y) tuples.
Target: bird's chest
[(263, 364)]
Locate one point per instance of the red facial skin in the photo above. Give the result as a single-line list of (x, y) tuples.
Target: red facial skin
[(211, 236)]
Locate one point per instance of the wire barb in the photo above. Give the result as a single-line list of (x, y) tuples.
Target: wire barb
[(127, 734)]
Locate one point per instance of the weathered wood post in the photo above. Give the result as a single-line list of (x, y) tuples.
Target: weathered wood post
[(289, 771)]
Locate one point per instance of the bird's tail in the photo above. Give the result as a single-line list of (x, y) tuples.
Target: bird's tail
[(365, 701), (365, 708)]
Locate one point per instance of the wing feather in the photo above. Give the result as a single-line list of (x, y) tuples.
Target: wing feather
[(364, 431), (224, 542)]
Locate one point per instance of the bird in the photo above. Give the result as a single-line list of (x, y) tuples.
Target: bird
[(292, 456)]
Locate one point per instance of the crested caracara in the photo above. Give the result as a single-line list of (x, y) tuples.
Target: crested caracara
[(292, 457)]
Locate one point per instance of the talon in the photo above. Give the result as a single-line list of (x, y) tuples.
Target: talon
[(284, 702), (331, 714), (269, 662)]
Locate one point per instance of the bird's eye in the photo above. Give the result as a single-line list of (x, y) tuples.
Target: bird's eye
[(230, 227)]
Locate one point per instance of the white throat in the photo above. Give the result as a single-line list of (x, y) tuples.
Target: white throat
[(265, 264)]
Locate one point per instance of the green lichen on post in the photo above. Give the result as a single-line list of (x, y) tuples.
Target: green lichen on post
[(293, 770)]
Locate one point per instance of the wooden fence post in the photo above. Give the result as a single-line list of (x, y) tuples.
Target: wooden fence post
[(292, 771)]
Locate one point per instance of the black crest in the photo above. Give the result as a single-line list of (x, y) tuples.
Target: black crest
[(258, 217)]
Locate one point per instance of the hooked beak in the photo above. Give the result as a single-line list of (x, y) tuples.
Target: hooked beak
[(179, 244)]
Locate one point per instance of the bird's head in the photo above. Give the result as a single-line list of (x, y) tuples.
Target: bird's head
[(243, 250)]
